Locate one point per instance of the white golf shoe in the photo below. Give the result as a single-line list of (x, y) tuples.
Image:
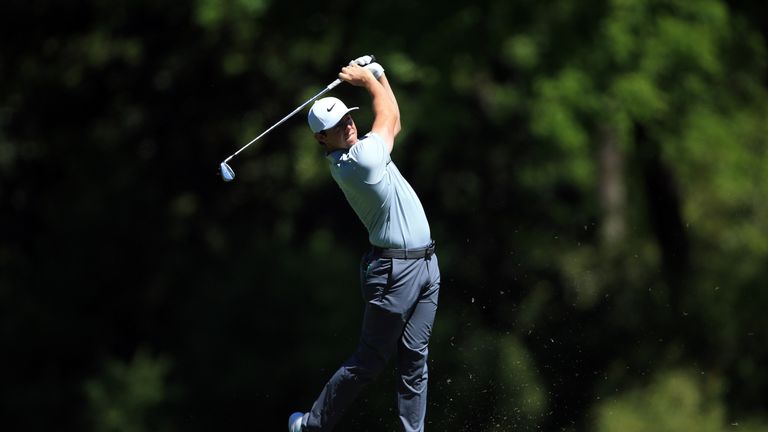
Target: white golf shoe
[(294, 422)]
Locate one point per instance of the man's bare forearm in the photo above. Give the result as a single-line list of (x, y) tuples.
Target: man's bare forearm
[(386, 112), (385, 83)]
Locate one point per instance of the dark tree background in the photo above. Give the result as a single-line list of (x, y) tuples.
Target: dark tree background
[(594, 175)]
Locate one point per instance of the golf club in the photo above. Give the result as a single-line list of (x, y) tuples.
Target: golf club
[(228, 174)]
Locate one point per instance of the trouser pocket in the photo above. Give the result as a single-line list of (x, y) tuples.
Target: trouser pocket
[(375, 275)]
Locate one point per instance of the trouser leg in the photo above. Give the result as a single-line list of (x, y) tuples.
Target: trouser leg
[(382, 326), (412, 357), (401, 301), (343, 387)]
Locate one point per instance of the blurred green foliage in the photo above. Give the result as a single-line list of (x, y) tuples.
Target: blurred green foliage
[(126, 397), (673, 402), (593, 172)]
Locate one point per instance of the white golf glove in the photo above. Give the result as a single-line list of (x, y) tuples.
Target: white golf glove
[(376, 69), (363, 61)]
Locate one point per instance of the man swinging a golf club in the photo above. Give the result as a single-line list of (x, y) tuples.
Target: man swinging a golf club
[(400, 278)]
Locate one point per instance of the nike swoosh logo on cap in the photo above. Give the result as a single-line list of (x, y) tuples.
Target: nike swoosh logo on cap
[(329, 109)]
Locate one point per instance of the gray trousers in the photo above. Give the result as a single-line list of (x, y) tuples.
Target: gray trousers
[(400, 304)]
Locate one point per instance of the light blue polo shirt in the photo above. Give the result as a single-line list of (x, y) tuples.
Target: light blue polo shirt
[(379, 195)]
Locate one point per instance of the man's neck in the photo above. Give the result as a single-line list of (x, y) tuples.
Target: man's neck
[(343, 147)]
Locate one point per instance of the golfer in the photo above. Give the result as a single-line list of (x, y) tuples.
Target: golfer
[(400, 278)]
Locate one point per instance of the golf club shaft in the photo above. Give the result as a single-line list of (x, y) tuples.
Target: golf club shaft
[(327, 88)]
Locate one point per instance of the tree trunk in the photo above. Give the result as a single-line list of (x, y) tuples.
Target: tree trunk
[(612, 190)]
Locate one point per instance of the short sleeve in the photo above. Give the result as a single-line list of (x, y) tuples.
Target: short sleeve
[(372, 157)]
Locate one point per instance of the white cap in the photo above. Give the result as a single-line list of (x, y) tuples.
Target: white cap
[(326, 113)]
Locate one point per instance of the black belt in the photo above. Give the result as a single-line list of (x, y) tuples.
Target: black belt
[(425, 252)]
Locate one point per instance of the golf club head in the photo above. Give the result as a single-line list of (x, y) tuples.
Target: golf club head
[(226, 172)]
